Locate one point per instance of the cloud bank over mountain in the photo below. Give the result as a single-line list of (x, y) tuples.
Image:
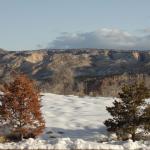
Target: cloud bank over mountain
[(104, 38)]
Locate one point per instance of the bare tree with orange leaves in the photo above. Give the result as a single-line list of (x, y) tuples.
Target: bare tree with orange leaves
[(20, 107)]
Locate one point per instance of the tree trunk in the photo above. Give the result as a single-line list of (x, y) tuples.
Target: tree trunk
[(21, 136), (133, 137)]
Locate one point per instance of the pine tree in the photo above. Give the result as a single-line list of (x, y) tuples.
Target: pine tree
[(127, 113), (20, 107)]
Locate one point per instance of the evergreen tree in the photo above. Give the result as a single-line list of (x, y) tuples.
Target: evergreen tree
[(20, 107), (127, 112)]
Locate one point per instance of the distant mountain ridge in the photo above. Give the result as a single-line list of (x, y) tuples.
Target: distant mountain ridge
[(92, 71)]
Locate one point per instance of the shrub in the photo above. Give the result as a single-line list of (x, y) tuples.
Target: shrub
[(3, 139)]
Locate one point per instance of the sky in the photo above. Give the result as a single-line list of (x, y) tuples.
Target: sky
[(35, 24)]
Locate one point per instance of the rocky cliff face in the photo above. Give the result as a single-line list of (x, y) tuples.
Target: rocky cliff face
[(86, 70)]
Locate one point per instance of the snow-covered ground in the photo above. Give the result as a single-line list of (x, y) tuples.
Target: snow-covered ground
[(75, 117), (75, 123)]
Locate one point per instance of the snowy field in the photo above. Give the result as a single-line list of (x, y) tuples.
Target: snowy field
[(75, 123), (75, 117)]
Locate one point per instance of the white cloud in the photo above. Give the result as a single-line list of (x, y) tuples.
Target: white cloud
[(102, 38)]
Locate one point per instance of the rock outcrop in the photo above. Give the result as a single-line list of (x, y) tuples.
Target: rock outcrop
[(89, 71)]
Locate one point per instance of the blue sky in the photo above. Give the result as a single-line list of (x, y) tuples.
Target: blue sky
[(33, 24)]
